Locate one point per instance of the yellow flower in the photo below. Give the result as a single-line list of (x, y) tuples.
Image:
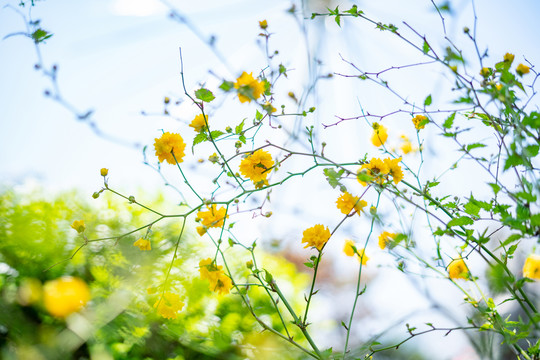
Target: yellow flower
[(376, 168), (362, 256), (169, 305), (257, 165), (379, 135), (349, 248), (263, 24), (522, 69), (417, 120), (509, 58), (346, 203), (30, 291), (219, 282), (79, 226), (201, 230), (316, 236), (267, 106), (457, 269), (386, 238), (498, 87), (214, 158), (104, 172), (406, 145), (248, 87), (531, 268), (485, 72), (213, 217), (143, 244), (198, 123), (394, 169), (65, 296), (168, 144)]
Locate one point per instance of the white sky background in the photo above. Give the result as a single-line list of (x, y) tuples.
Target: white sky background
[(121, 57)]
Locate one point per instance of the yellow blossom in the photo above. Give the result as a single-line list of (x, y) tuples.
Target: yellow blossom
[(522, 69), (346, 203), (201, 230), (349, 248), (219, 282), (376, 168), (263, 24), (212, 217), (406, 146), (457, 269), (417, 120), (269, 108), (485, 72), (104, 172), (361, 254), (198, 123), (168, 144), (316, 236), (498, 87), (79, 226), (248, 87), (223, 284), (257, 165), (394, 169), (379, 135), (214, 158), (386, 238), (143, 244), (509, 58), (531, 268), (169, 305), (65, 296)]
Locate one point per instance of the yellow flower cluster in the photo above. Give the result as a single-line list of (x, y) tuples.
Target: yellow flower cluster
[(219, 282), (386, 238), (531, 268), (168, 144), (143, 244), (316, 236), (458, 270), (212, 217), (350, 249), (380, 134), (379, 170), (347, 203), (257, 165), (198, 123), (248, 87), (417, 121), (169, 305), (79, 226)]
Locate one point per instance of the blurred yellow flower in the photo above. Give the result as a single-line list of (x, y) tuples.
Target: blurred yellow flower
[(263, 24), (169, 305), (248, 87), (522, 69), (168, 144), (386, 238), (257, 165), (509, 58), (362, 257), (29, 291), (316, 236), (457, 269), (212, 217), (349, 248), (104, 172), (379, 135), (219, 282), (79, 226), (65, 296), (485, 72), (143, 244), (531, 268), (394, 169), (198, 123), (346, 203)]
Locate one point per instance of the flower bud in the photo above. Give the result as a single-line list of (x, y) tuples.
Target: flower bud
[(104, 172)]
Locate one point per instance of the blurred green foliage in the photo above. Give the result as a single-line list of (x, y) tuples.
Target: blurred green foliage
[(120, 322)]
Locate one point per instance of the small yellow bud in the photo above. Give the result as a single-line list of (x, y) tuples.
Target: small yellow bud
[(249, 264), (522, 69), (79, 226), (263, 24), (104, 172), (509, 58)]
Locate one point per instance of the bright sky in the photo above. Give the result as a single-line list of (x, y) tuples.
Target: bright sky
[(121, 57)]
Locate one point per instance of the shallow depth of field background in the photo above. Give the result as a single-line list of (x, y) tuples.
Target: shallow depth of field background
[(121, 58)]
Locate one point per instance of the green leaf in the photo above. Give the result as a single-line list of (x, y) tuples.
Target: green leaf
[(460, 221), (471, 208), (449, 121), (495, 187), (282, 70), (531, 150), (204, 95), (309, 264), (40, 35), (226, 85), (425, 47), (238, 129), (474, 146), (258, 115), (333, 177), (512, 161), (215, 134), (428, 100), (199, 139), (338, 20)]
